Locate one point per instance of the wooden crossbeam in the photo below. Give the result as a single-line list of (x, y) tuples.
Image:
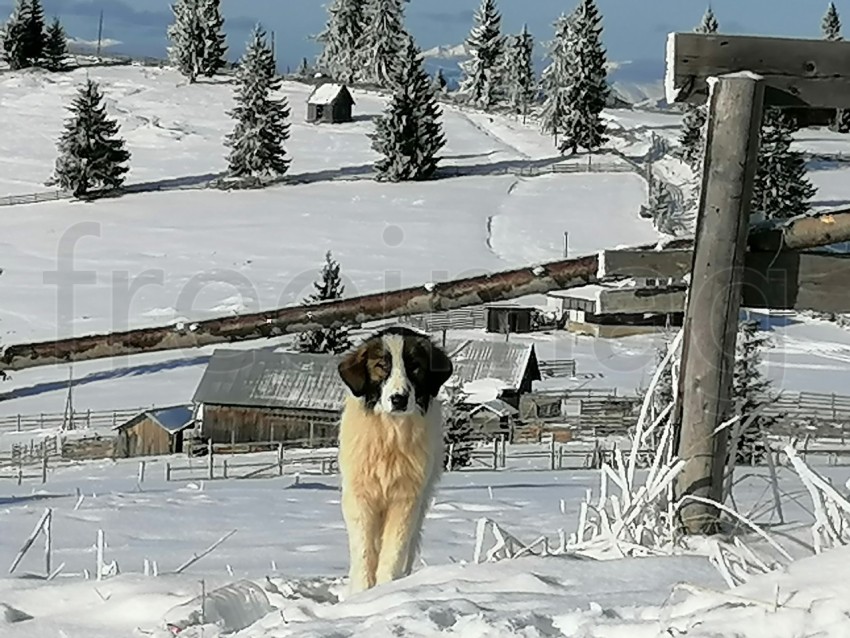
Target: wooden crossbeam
[(796, 72), (786, 280)]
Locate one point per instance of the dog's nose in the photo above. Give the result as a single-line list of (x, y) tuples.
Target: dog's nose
[(399, 401)]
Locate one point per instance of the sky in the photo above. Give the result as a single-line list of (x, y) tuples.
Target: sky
[(634, 30)]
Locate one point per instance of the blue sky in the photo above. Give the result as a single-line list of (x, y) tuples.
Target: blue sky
[(635, 30)]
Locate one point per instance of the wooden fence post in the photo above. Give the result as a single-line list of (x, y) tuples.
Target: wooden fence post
[(44, 464), (211, 459), (280, 459), (167, 471), (714, 299), (552, 453), (495, 454)]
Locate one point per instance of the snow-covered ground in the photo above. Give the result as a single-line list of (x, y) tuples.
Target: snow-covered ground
[(152, 258), (290, 530)]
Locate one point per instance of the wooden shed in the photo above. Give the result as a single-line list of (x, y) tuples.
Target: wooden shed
[(154, 432), (253, 396), (330, 103), (509, 318)]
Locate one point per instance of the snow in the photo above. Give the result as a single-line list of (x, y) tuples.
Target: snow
[(324, 93), (180, 256)]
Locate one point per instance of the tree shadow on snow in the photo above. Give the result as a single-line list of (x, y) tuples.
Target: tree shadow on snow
[(105, 375), (311, 485), (29, 498)]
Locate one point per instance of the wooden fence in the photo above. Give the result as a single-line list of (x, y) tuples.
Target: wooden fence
[(80, 419)]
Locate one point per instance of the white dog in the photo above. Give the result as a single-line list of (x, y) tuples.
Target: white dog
[(390, 450)]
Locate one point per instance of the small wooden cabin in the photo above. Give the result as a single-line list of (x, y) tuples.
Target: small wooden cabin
[(330, 103), (154, 432), (509, 318)]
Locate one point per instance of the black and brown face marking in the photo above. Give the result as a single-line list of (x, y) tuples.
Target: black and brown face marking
[(367, 369)]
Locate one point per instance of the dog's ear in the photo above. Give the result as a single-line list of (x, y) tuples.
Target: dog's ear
[(440, 368), (353, 371)]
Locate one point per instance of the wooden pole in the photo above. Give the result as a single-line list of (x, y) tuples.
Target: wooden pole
[(711, 319), (211, 459)]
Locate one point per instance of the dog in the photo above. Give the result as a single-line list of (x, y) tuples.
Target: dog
[(390, 450)]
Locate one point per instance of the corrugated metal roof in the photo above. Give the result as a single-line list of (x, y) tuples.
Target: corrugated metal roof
[(325, 93), (272, 379), (264, 378), (506, 362), (172, 419), (497, 407)]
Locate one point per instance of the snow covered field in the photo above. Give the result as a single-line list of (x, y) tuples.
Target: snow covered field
[(153, 258), (291, 531)]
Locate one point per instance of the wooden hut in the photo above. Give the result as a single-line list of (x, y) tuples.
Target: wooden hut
[(509, 318), (330, 103), (154, 432), (254, 396)]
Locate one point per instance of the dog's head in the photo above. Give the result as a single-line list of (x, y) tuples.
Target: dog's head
[(396, 371)]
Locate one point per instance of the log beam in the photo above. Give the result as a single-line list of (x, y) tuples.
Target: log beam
[(798, 73)]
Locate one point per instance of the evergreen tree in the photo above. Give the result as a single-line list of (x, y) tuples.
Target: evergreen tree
[(439, 83), (692, 139), (587, 82), (34, 38), (751, 390), (554, 79), (256, 143), (14, 37), (781, 189), (91, 155), (481, 84), (334, 339), (384, 40), (56, 49), (409, 135), (457, 432), (342, 40), (709, 23), (831, 24), (303, 71), (188, 38), (214, 57), (519, 81), (663, 395)]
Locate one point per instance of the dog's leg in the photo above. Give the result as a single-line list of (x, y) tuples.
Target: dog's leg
[(415, 539), (364, 535), (399, 526)]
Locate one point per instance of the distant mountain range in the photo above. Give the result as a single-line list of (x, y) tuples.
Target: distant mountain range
[(639, 82)]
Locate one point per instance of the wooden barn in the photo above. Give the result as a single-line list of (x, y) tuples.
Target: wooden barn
[(330, 103), (251, 396), (154, 432), (509, 318)]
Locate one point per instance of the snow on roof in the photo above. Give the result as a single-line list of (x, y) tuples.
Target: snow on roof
[(172, 419), (325, 93), (506, 362)]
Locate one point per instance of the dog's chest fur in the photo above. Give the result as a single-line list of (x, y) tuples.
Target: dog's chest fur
[(394, 456)]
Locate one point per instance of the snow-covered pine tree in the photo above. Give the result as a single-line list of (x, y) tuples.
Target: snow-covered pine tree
[(439, 83), (587, 82), (334, 339), (751, 390), (831, 24), (56, 48), (519, 81), (14, 36), (457, 431), (342, 39), (384, 42), (409, 135), (257, 141), (692, 138), (481, 84), (781, 189), (188, 39), (554, 80), (34, 36), (214, 57), (709, 23), (303, 71), (91, 155)]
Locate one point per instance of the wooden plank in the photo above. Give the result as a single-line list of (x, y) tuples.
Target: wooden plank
[(811, 231), (645, 263), (797, 281), (711, 318), (639, 300), (796, 72)]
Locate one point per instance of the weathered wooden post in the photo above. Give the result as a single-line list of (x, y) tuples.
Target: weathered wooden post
[(784, 73), (714, 301), (211, 459)]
